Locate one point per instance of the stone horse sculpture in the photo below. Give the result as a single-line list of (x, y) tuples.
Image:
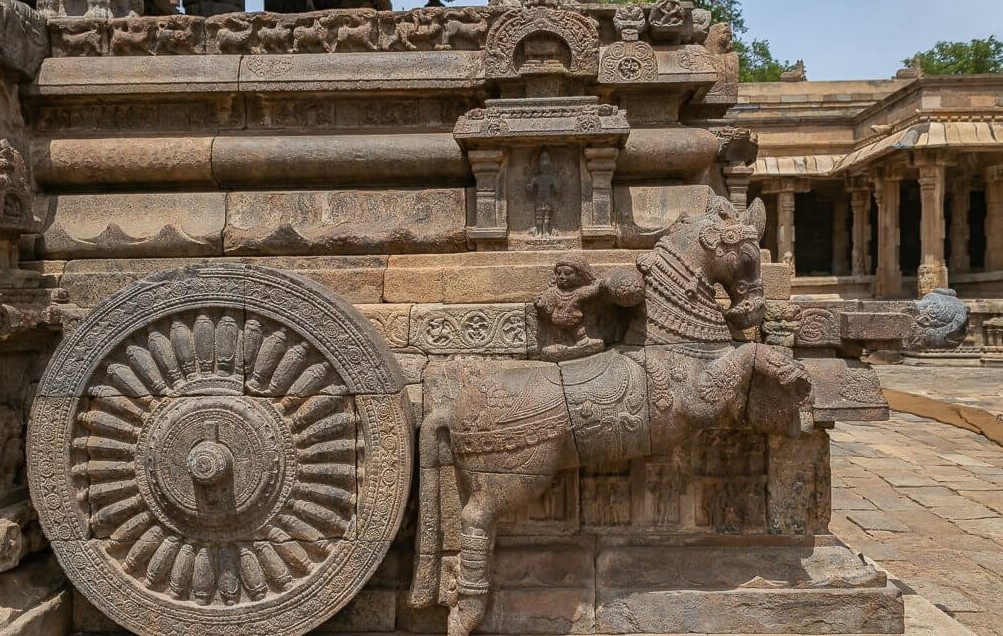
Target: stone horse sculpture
[(511, 426)]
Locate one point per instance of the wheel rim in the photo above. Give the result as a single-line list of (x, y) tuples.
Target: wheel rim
[(221, 450)]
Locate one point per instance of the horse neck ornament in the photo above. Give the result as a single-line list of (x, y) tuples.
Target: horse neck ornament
[(681, 271)]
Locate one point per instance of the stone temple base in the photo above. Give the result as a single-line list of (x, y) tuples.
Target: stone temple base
[(664, 585), (748, 585), (552, 586)]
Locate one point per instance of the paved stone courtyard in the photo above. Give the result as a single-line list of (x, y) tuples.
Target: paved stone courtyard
[(924, 500)]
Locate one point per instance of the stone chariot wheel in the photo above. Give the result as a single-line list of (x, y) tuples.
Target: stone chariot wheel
[(221, 450)]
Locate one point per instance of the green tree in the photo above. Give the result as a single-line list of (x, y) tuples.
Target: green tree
[(757, 64), (962, 58)]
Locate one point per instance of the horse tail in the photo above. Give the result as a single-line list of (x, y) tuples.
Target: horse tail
[(432, 447)]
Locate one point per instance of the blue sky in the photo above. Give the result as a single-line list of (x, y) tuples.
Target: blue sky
[(848, 39), (865, 39)]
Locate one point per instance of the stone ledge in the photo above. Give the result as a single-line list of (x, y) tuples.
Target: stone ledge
[(359, 279), (483, 277), (971, 418)]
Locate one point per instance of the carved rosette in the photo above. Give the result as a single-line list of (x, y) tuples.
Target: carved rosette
[(628, 63), (221, 450)]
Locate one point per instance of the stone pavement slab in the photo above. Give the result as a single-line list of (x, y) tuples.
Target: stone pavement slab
[(936, 526), (966, 397)]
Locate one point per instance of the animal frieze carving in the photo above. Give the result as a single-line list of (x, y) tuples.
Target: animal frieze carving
[(508, 430), (347, 31)]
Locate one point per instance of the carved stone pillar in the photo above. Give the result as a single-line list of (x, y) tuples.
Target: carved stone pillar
[(840, 237), (960, 230), (932, 272), (888, 279), (597, 208), (994, 217), (736, 178), (785, 222), (860, 202), (491, 223)]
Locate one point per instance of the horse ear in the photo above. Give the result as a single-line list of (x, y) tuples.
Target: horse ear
[(723, 207), (755, 215)]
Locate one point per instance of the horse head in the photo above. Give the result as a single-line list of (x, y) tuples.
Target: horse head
[(718, 247), (721, 247), (732, 258)]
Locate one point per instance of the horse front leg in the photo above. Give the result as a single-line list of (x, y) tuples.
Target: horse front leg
[(478, 525), (780, 387), (722, 388)]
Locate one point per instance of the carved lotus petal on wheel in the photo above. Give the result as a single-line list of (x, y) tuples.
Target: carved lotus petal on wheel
[(226, 457)]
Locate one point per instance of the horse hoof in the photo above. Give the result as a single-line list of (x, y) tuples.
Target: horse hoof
[(455, 625), (466, 615)]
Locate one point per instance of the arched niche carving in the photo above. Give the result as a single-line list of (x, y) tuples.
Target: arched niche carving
[(575, 30)]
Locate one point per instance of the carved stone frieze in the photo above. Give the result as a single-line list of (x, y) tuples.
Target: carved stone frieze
[(354, 114), (345, 222), (16, 201), (731, 469), (581, 117), (446, 329), (343, 31), (221, 450), (168, 35), (392, 321), (82, 226), (108, 114), (79, 37), (23, 39), (578, 32)]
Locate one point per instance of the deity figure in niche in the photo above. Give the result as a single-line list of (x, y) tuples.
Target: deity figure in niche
[(563, 304), (545, 187)]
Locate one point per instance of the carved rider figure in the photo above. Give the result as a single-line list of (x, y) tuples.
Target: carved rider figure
[(563, 305), (545, 187)]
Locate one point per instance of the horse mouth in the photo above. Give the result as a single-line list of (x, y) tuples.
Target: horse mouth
[(744, 315)]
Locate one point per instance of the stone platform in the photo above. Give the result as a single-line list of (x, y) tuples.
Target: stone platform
[(968, 398)]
